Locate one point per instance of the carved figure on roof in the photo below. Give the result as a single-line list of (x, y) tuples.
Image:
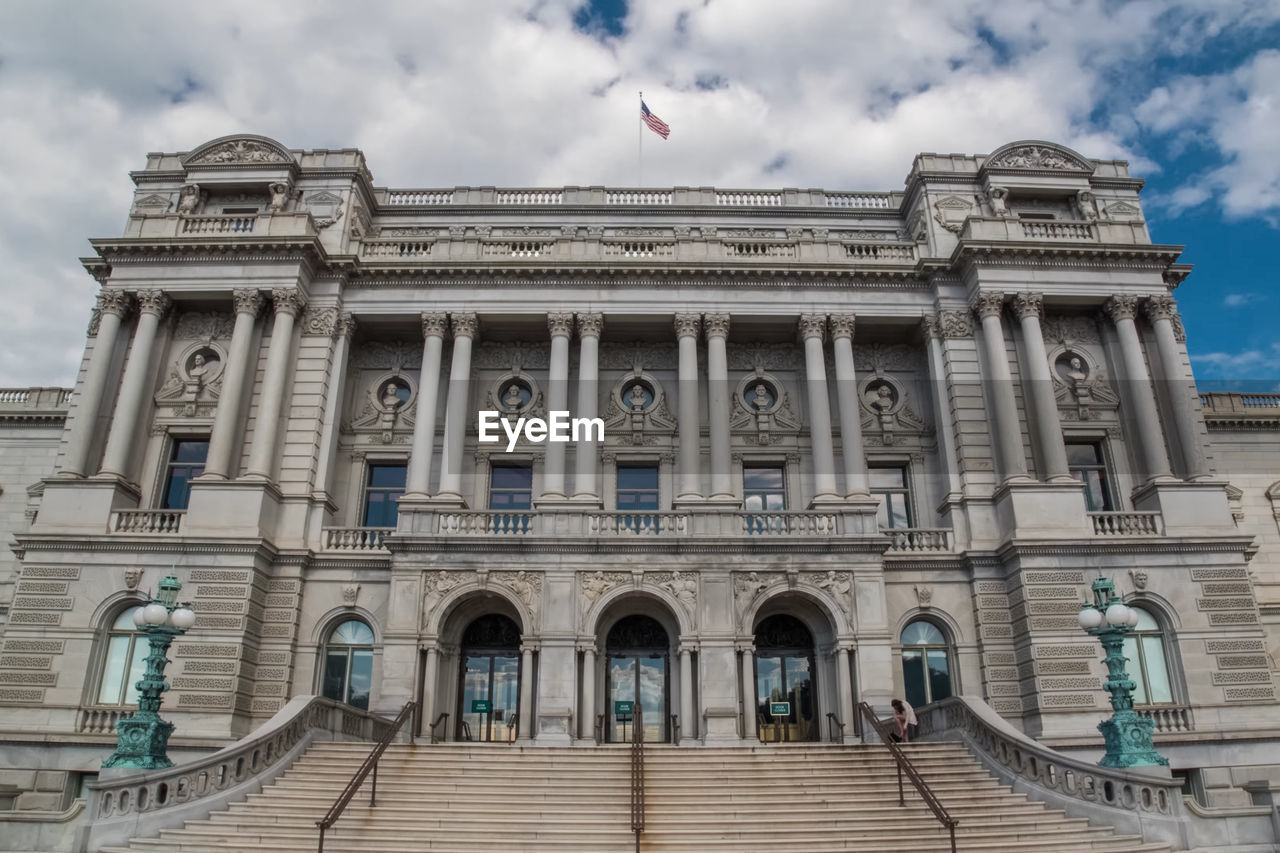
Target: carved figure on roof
[(190, 198)]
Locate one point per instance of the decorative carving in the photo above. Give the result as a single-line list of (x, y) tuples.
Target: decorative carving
[(388, 355), (716, 325), (989, 303), (132, 576), (560, 324), (527, 587), (956, 324), (924, 596), (1179, 332), (761, 403), (1087, 205), (1071, 330), (951, 212), (880, 358), (240, 151), (153, 302), (746, 586), (1041, 156), (288, 300), (325, 208), (464, 325), (837, 585), (247, 301), (931, 327), (687, 325), (319, 321), (1160, 308), (191, 198), (437, 586), (1121, 308), (812, 326), (435, 325), (597, 584), (279, 196), (349, 594), (999, 201), (885, 409), (1122, 211), (842, 326), (1139, 578), (1028, 305), (590, 325)]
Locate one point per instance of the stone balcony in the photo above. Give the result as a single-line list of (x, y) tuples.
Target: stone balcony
[(599, 196), (220, 226), (992, 230), (1233, 410)]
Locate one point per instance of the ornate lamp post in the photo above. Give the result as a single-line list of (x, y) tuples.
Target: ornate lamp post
[(1127, 733), (144, 738)]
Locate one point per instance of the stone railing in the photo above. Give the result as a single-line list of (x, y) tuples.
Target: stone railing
[(295, 224), (639, 197), (1168, 718), (142, 804), (39, 403), (638, 250), (166, 522), (360, 539), (1127, 523), (748, 198), (638, 524), (397, 248), (1053, 230), (788, 523), (860, 201), (102, 719), (783, 251), (1232, 401), (1131, 801), (919, 540), (529, 197), (418, 198), (481, 523)]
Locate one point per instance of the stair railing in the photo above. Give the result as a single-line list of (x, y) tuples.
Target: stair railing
[(512, 731), (905, 766), (833, 722), (439, 727), (599, 728), (370, 765), (675, 729), (637, 773)]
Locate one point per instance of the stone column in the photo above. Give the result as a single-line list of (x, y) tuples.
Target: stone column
[(1009, 453), (688, 725), (288, 304), (1053, 451), (749, 731), (133, 388), (424, 423), (429, 678), (689, 430), (226, 418), (718, 404), (455, 415), (855, 457), (812, 328), (845, 712), (561, 326), (1122, 310), (587, 712), (525, 729), (932, 330), (586, 480), (1160, 311), (345, 328), (113, 305)]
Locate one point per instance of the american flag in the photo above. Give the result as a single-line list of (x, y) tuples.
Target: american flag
[(655, 124)]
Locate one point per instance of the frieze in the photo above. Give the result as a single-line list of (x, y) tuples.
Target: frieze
[(527, 587), (638, 356), (1038, 157), (1054, 577), (319, 321), (39, 679), (1069, 651), (1218, 574), (1065, 700), (210, 591), (1069, 330), (1244, 694), (51, 647), (26, 661), (43, 587), (239, 151), (515, 356), (204, 326), (220, 575), (755, 357), (387, 355), (881, 358), (595, 584), (1233, 618), (69, 573), (955, 324), (35, 618), (34, 603), (1224, 662), (1217, 647), (204, 700)]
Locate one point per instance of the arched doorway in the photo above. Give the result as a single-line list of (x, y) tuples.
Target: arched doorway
[(786, 704), (637, 649), (489, 688)]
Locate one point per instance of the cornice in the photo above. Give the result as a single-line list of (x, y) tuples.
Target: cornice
[(1101, 546), (1231, 423), (110, 544), (559, 276), (410, 545), (1072, 255), (648, 211)]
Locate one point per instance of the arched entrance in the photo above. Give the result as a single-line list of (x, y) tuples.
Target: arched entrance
[(638, 671), (489, 679), (786, 695)]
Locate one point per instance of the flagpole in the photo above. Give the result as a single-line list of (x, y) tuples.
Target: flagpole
[(640, 147)]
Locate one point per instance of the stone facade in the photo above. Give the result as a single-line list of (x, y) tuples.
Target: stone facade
[(967, 332)]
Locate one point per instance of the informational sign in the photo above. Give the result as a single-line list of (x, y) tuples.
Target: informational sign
[(780, 709), (623, 709), (481, 706)]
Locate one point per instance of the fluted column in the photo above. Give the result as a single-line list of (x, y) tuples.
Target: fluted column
[(455, 415), (226, 418), (812, 327), (749, 731), (525, 729), (1009, 453), (688, 424), (561, 326), (1160, 311), (587, 715), (288, 304), (586, 480), (424, 423), (931, 327), (717, 330), (1122, 310), (137, 372), (113, 305), (1053, 451), (345, 329), (845, 685), (855, 458), (688, 729)]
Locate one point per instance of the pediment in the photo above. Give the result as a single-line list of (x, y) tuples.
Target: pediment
[(324, 197), (1037, 155), (242, 149), (154, 202), (1122, 210)]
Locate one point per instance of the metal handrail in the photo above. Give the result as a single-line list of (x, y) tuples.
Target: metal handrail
[(439, 727), (599, 728), (370, 764), (832, 723), (512, 722), (905, 766), (675, 729), (637, 773)]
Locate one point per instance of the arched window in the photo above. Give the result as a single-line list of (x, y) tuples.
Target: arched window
[(926, 664), (1148, 669), (348, 664), (125, 661)]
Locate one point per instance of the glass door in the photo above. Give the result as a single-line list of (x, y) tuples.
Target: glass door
[(786, 709), (638, 679), (490, 696)]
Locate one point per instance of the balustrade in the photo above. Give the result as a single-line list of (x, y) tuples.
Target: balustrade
[(218, 224), (788, 523), (749, 199), (1168, 718), (419, 198), (638, 250), (637, 197), (860, 200), (916, 540), (880, 251), (355, 538), (759, 250), (397, 249), (102, 720), (162, 521), (481, 523), (637, 524), (1127, 523), (529, 196), (518, 249)]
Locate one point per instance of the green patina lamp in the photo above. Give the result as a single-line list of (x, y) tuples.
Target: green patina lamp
[(1127, 733), (143, 739)]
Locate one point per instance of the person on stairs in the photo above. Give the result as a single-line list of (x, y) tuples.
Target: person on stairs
[(905, 717)]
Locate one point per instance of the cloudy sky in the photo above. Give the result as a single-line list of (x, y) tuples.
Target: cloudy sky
[(831, 93)]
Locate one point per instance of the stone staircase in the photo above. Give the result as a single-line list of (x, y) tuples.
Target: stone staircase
[(806, 799)]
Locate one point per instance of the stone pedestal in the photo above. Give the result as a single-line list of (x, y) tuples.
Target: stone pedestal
[(238, 508), (1197, 508), (83, 506), (1031, 510)]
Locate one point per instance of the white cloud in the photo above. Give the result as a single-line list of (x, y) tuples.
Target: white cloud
[(508, 93), (1237, 300)]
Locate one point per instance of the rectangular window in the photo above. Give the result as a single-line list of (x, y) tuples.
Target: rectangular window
[(384, 485), (1041, 216), (511, 494), (638, 497), (764, 491), (186, 462), (891, 487), (1087, 464)]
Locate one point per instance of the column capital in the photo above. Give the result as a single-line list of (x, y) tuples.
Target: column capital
[(561, 325), (813, 326), (288, 300), (529, 648), (715, 325), (586, 646), (690, 648), (464, 325), (247, 301), (1121, 308), (931, 327), (687, 325), (346, 325), (1160, 308), (435, 325), (590, 325), (116, 302), (988, 303), (842, 326), (153, 302), (1028, 305)]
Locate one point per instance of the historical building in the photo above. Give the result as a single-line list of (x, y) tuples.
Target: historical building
[(856, 445)]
